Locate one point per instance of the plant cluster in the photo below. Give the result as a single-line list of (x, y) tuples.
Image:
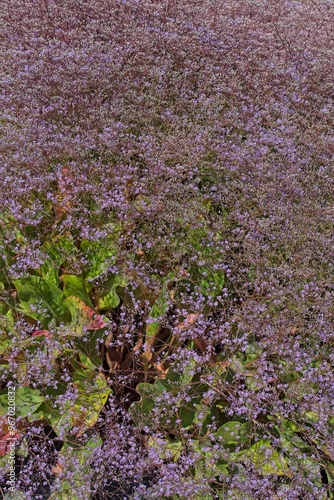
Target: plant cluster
[(166, 248)]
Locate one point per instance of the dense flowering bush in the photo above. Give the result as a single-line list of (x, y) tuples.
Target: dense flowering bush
[(166, 248)]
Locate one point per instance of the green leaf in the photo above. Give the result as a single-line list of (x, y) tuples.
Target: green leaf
[(109, 301), (60, 421), (15, 495), (107, 295), (42, 300), (187, 416), (207, 466), (74, 285), (27, 401), (87, 328), (4, 278), (5, 345), (148, 393), (234, 433), (212, 284), (7, 328), (75, 459), (158, 310), (57, 250), (93, 395), (167, 449), (91, 346), (184, 376), (266, 458), (100, 256), (87, 360), (84, 411), (150, 390)]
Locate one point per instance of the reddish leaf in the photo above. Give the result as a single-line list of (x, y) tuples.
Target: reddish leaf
[(40, 333), (5, 442), (96, 320)]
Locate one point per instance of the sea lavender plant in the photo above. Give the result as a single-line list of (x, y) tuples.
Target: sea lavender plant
[(166, 220)]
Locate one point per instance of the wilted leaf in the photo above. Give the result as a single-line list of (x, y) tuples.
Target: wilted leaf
[(187, 323)]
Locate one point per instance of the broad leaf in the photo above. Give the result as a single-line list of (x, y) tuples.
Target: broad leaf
[(27, 401), (73, 461), (107, 294), (84, 318), (212, 284), (57, 252), (74, 285), (100, 256), (158, 310), (266, 458), (109, 301), (42, 300), (234, 433)]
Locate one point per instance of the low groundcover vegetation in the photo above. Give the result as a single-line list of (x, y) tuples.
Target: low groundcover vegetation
[(166, 249)]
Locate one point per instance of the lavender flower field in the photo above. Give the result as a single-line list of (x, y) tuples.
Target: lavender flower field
[(166, 249)]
